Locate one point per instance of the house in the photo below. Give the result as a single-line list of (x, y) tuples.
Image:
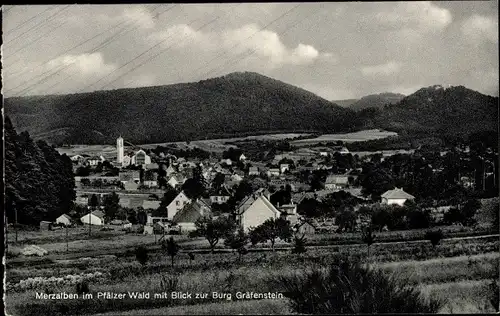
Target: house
[(177, 204), (284, 167), (273, 172), (289, 212), (247, 201), (170, 170), (323, 153), (150, 204), (256, 213), (305, 227), (140, 158), (396, 196), (151, 220), (243, 157), (150, 178), (236, 178), (336, 182), (152, 166), (64, 219), (93, 160), (129, 176), (176, 180), (95, 218), (227, 161), (253, 171), (127, 161), (189, 214), (220, 196), (45, 225)]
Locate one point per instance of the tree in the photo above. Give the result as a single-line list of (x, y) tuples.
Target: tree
[(299, 245), (237, 240), (368, 238), (171, 247), (346, 220), (111, 205), (141, 254), (434, 236), (272, 229), (193, 188), (218, 180), (213, 229), (142, 216), (469, 210), (132, 217), (376, 182), (94, 202)]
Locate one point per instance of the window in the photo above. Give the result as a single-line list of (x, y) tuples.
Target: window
[(177, 203)]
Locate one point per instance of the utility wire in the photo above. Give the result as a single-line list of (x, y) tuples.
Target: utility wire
[(28, 20), (255, 33), (50, 18), (156, 55), (104, 43)]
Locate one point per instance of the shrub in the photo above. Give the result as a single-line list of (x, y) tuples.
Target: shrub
[(349, 288), (141, 254), (434, 236), (82, 287)]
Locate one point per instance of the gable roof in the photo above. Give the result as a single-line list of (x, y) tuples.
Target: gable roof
[(192, 212), (337, 179), (266, 202), (397, 193), (66, 216), (97, 214)]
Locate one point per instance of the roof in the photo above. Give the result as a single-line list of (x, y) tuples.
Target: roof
[(253, 169), (266, 202), (65, 216), (397, 193), (147, 204), (247, 201), (192, 212), (337, 179)]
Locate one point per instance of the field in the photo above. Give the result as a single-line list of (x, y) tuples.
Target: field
[(213, 145), (347, 138), (457, 271)]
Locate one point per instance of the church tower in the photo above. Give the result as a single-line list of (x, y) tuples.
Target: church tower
[(119, 150)]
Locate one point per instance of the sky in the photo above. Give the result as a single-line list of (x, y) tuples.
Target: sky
[(338, 50)]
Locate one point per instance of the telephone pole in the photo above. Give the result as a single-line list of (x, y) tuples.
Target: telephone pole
[(15, 218)]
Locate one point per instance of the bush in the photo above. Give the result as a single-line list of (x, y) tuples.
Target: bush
[(349, 288), (82, 287), (141, 254), (434, 236)]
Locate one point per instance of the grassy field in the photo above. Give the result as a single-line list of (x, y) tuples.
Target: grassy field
[(225, 273), (347, 138)]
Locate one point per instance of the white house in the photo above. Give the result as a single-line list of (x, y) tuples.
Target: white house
[(64, 219), (257, 213), (284, 167), (236, 178), (220, 196), (253, 171), (141, 158), (336, 182), (93, 160), (177, 204), (273, 172), (95, 218), (396, 196), (243, 157), (126, 161), (170, 170), (176, 180), (188, 215)]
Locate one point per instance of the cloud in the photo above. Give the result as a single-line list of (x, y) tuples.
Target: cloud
[(419, 15), (479, 28), (140, 15), (247, 40), (386, 69), (85, 64)]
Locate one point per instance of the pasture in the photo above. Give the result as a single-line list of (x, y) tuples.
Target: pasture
[(347, 137)]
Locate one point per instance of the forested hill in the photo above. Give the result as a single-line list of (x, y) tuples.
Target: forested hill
[(39, 182), (376, 101), (442, 112), (235, 104)]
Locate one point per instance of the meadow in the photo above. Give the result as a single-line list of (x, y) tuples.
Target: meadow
[(347, 137), (453, 264)]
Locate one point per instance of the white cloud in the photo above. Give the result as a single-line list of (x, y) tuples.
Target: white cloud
[(140, 15), (479, 28), (85, 64), (386, 69), (420, 15), (249, 39)]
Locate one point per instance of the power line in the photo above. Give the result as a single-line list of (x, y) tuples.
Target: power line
[(50, 18), (80, 44), (28, 20), (36, 40), (154, 56), (251, 52), (100, 46), (255, 33), (135, 58)]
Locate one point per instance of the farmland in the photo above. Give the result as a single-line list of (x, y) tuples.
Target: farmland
[(347, 138)]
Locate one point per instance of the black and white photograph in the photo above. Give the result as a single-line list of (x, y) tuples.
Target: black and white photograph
[(273, 158)]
